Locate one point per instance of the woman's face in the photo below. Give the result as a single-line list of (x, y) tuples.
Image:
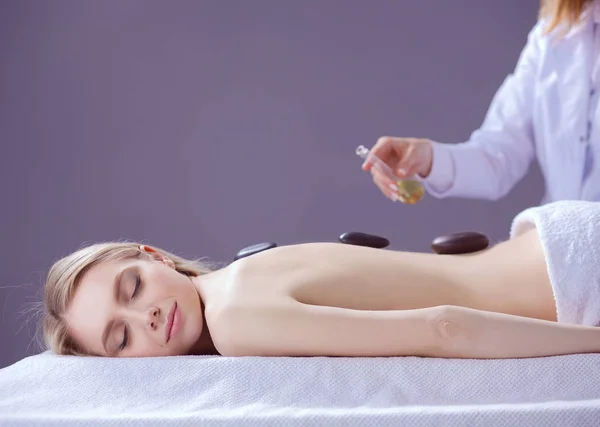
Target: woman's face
[(135, 308)]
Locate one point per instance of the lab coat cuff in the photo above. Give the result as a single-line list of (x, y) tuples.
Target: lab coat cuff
[(441, 177)]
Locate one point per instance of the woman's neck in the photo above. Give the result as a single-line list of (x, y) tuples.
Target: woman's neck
[(205, 345), (209, 286)]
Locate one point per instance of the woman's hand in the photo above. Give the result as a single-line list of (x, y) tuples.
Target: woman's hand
[(405, 156)]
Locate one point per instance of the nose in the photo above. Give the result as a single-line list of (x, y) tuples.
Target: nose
[(153, 315)]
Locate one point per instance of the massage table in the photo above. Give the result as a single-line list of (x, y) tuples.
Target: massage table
[(50, 390)]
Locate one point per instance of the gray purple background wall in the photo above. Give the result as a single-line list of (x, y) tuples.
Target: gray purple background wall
[(206, 126)]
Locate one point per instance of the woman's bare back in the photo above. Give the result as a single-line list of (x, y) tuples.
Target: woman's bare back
[(329, 274), (327, 299)]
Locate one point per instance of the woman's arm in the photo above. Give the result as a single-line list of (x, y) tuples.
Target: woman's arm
[(296, 329), (499, 153)]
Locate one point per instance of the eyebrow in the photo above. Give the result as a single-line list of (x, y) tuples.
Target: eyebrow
[(116, 293)]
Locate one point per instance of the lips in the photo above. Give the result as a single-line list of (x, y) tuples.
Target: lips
[(170, 319)]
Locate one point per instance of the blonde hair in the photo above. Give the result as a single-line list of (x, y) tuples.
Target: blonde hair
[(562, 12), (64, 277)]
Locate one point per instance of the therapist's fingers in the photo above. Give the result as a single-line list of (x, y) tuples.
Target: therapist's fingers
[(389, 146), (385, 185), (383, 176), (417, 160), (388, 149), (407, 166)]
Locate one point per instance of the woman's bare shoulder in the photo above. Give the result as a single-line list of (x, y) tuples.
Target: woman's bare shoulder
[(246, 314)]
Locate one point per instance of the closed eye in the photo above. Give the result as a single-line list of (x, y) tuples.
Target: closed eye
[(125, 339), (138, 284)]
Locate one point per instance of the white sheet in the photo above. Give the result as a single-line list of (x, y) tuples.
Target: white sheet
[(214, 391)]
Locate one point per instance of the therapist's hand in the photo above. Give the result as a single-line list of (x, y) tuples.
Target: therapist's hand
[(405, 156)]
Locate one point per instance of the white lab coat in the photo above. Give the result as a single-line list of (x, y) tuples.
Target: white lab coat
[(540, 110)]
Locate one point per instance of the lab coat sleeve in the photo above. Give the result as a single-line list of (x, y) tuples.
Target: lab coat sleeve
[(499, 153)]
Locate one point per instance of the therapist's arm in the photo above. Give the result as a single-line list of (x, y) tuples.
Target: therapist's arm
[(499, 153)]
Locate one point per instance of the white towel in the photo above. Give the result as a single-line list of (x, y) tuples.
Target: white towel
[(48, 390), (570, 235)]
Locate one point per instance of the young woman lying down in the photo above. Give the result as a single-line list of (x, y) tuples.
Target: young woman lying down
[(536, 294)]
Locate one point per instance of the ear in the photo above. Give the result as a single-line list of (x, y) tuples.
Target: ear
[(150, 251), (157, 256)]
